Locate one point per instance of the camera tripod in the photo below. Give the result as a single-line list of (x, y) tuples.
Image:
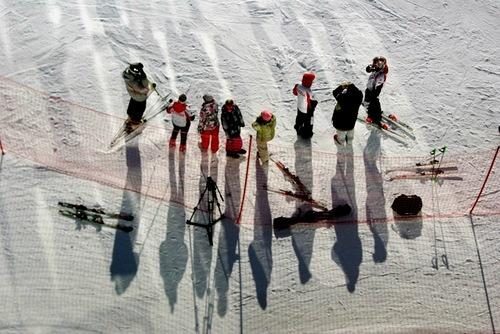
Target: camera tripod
[(211, 191)]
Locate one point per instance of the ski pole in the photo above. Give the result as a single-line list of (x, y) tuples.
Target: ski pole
[(441, 153), (1, 147)]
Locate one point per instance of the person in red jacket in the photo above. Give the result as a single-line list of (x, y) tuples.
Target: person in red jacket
[(181, 119)]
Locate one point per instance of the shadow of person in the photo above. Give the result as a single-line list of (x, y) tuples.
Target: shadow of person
[(229, 234), (376, 216), (173, 252), (408, 228), (303, 238), (259, 250), (202, 250), (125, 262), (347, 250)]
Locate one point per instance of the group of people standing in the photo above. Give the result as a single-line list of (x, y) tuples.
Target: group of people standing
[(348, 97)]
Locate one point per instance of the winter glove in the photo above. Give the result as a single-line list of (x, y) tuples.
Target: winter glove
[(370, 68)]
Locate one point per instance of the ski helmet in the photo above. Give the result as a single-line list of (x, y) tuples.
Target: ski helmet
[(266, 115), (182, 98), (307, 79)]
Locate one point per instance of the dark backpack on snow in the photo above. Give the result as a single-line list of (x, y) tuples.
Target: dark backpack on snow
[(407, 205)]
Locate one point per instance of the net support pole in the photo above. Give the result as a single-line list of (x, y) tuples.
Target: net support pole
[(485, 180), (249, 155), (1, 147)]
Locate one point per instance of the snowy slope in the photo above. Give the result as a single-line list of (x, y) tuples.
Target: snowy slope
[(63, 98)]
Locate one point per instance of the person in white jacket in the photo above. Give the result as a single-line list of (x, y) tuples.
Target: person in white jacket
[(181, 119), (305, 106)]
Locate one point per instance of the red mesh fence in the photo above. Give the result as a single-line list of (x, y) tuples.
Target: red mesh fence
[(74, 141)]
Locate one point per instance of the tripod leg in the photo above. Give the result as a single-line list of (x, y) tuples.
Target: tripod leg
[(210, 233)]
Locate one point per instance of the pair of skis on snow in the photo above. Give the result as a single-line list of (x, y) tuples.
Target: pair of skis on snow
[(301, 192), (123, 136), (430, 169), (396, 129), (95, 215)]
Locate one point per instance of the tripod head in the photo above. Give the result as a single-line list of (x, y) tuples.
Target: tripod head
[(212, 187), (211, 190)]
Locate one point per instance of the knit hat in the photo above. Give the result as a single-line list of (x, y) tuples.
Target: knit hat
[(307, 79), (208, 98), (266, 115)]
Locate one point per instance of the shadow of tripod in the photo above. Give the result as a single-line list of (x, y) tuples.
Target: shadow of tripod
[(212, 191)]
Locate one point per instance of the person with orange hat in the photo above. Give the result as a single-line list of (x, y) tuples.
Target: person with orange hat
[(265, 125), (305, 105)]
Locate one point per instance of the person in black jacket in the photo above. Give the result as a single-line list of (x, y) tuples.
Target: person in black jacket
[(232, 122), (349, 98)]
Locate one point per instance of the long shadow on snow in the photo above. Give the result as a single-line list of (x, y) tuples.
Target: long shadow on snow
[(229, 234), (173, 252), (125, 262), (375, 198), (347, 250), (259, 250), (303, 238), (202, 251)]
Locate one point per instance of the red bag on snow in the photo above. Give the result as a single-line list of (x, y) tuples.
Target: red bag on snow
[(234, 144)]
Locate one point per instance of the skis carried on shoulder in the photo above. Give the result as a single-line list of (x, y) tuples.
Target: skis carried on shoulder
[(123, 136), (94, 215)]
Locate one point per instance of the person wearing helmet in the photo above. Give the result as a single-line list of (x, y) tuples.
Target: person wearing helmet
[(265, 125), (139, 87), (208, 126), (349, 98), (376, 80), (232, 122), (181, 119), (305, 106)]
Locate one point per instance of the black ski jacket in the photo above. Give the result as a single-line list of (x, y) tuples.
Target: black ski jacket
[(232, 121), (346, 111)]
